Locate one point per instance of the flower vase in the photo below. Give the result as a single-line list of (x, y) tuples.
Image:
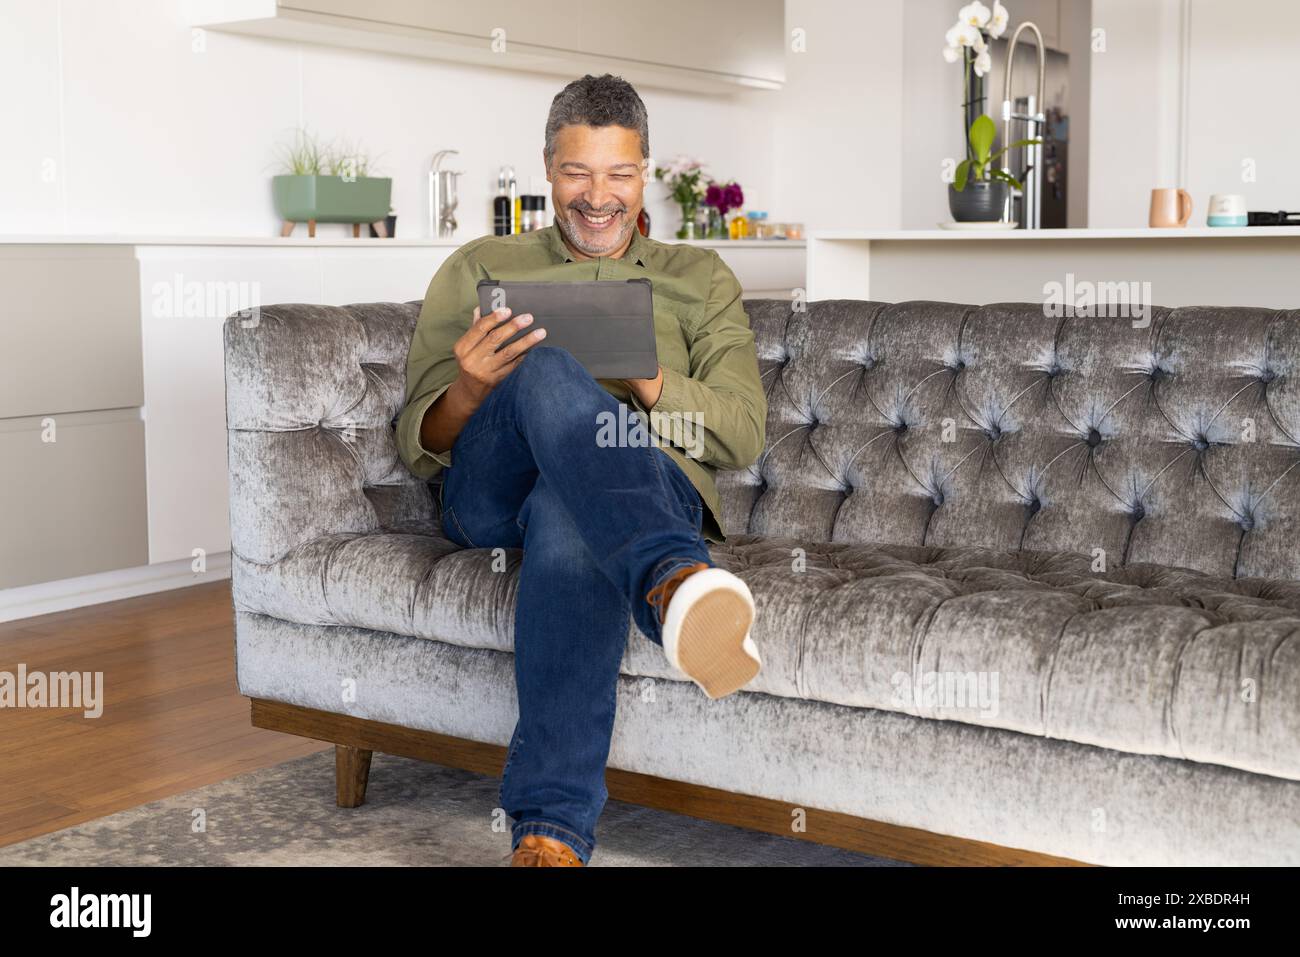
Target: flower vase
[(717, 224), (689, 228)]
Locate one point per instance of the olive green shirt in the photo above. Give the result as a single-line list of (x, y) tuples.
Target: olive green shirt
[(712, 411)]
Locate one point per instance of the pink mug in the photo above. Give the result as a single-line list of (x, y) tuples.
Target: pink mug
[(1170, 207)]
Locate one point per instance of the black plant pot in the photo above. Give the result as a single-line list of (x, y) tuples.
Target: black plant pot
[(982, 201)]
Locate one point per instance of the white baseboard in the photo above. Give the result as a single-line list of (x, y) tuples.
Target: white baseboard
[(48, 597)]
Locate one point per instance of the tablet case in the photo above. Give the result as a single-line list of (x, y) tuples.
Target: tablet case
[(607, 325)]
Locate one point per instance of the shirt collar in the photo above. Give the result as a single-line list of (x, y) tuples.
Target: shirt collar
[(636, 250)]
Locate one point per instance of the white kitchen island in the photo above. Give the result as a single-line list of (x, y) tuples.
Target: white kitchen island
[(1245, 266)]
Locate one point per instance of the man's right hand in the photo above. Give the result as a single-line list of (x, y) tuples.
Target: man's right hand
[(481, 366), (481, 369)]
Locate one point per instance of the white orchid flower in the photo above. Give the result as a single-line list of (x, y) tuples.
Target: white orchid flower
[(983, 63), (961, 35), (951, 54), (975, 14), (998, 23), (979, 46)]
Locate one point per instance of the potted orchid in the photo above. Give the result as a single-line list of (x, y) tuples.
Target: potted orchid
[(980, 191), (688, 182), (721, 198), (968, 41)]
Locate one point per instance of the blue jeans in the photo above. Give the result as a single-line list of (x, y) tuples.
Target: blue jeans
[(599, 524)]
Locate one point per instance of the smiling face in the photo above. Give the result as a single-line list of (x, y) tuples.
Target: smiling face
[(597, 179)]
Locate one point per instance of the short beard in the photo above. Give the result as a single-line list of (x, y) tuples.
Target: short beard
[(571, 233)]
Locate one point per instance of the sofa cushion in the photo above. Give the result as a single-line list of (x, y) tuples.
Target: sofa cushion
[(998, 426), (1144, 658)]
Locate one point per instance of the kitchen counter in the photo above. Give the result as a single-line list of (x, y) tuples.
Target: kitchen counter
[(1144, 232), (1189, 266), (331, 241)]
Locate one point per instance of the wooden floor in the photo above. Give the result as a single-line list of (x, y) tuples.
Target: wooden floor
[(174, 720), (173, 717)]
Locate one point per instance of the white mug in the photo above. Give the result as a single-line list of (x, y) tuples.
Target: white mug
[(1226, 209)]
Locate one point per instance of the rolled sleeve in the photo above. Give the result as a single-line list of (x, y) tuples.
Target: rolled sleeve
[(431, 365), (421, 461), (720, 408)]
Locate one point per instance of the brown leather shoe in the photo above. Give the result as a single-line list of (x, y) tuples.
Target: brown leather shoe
[(540, 850)]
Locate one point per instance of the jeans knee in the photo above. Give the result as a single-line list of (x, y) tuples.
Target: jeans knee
[(550, 370), (550, 361)]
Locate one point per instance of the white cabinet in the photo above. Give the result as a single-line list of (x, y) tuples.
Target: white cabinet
[(72, 497), (70, 329), (718, 47)]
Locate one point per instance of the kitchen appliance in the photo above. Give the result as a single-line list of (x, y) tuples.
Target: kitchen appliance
[(1280, 218), (442, 196), (1023, 118)]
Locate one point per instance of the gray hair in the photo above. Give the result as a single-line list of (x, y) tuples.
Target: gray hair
[(597, 101)]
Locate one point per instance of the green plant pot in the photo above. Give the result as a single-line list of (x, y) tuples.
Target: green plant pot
[(331, 199)]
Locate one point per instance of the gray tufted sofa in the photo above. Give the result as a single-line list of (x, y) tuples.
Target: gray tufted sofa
[(1022, 581)]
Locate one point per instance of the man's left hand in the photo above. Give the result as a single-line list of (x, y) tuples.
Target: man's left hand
[(647, 390)]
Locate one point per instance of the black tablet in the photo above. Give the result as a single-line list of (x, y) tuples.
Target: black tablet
[(608, 326)]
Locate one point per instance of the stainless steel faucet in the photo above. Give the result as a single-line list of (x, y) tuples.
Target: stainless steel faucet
[(1029, 215), (442, 197)]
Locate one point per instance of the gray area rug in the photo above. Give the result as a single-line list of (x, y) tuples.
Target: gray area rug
[(416, 814)]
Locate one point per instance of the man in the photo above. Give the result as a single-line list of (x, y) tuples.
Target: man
[(607, 528)]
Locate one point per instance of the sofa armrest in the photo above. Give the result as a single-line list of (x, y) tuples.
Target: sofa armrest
[(312, 395)]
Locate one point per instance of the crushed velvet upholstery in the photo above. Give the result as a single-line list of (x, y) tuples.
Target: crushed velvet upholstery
[(1098, 517)]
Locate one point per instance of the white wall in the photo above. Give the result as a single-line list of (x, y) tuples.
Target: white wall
[(112, 123), (1241, 99), (931, 120), (835, 142), (1185, 92), (1134, 109)]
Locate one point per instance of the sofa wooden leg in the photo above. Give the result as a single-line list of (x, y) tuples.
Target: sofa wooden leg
[(286, 229), (351, 772)]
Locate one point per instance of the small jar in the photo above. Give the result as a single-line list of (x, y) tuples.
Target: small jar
[(759, 227), (739, 227), (794, 231)]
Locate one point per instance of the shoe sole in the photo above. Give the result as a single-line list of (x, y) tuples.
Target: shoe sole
[(714, 623)]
